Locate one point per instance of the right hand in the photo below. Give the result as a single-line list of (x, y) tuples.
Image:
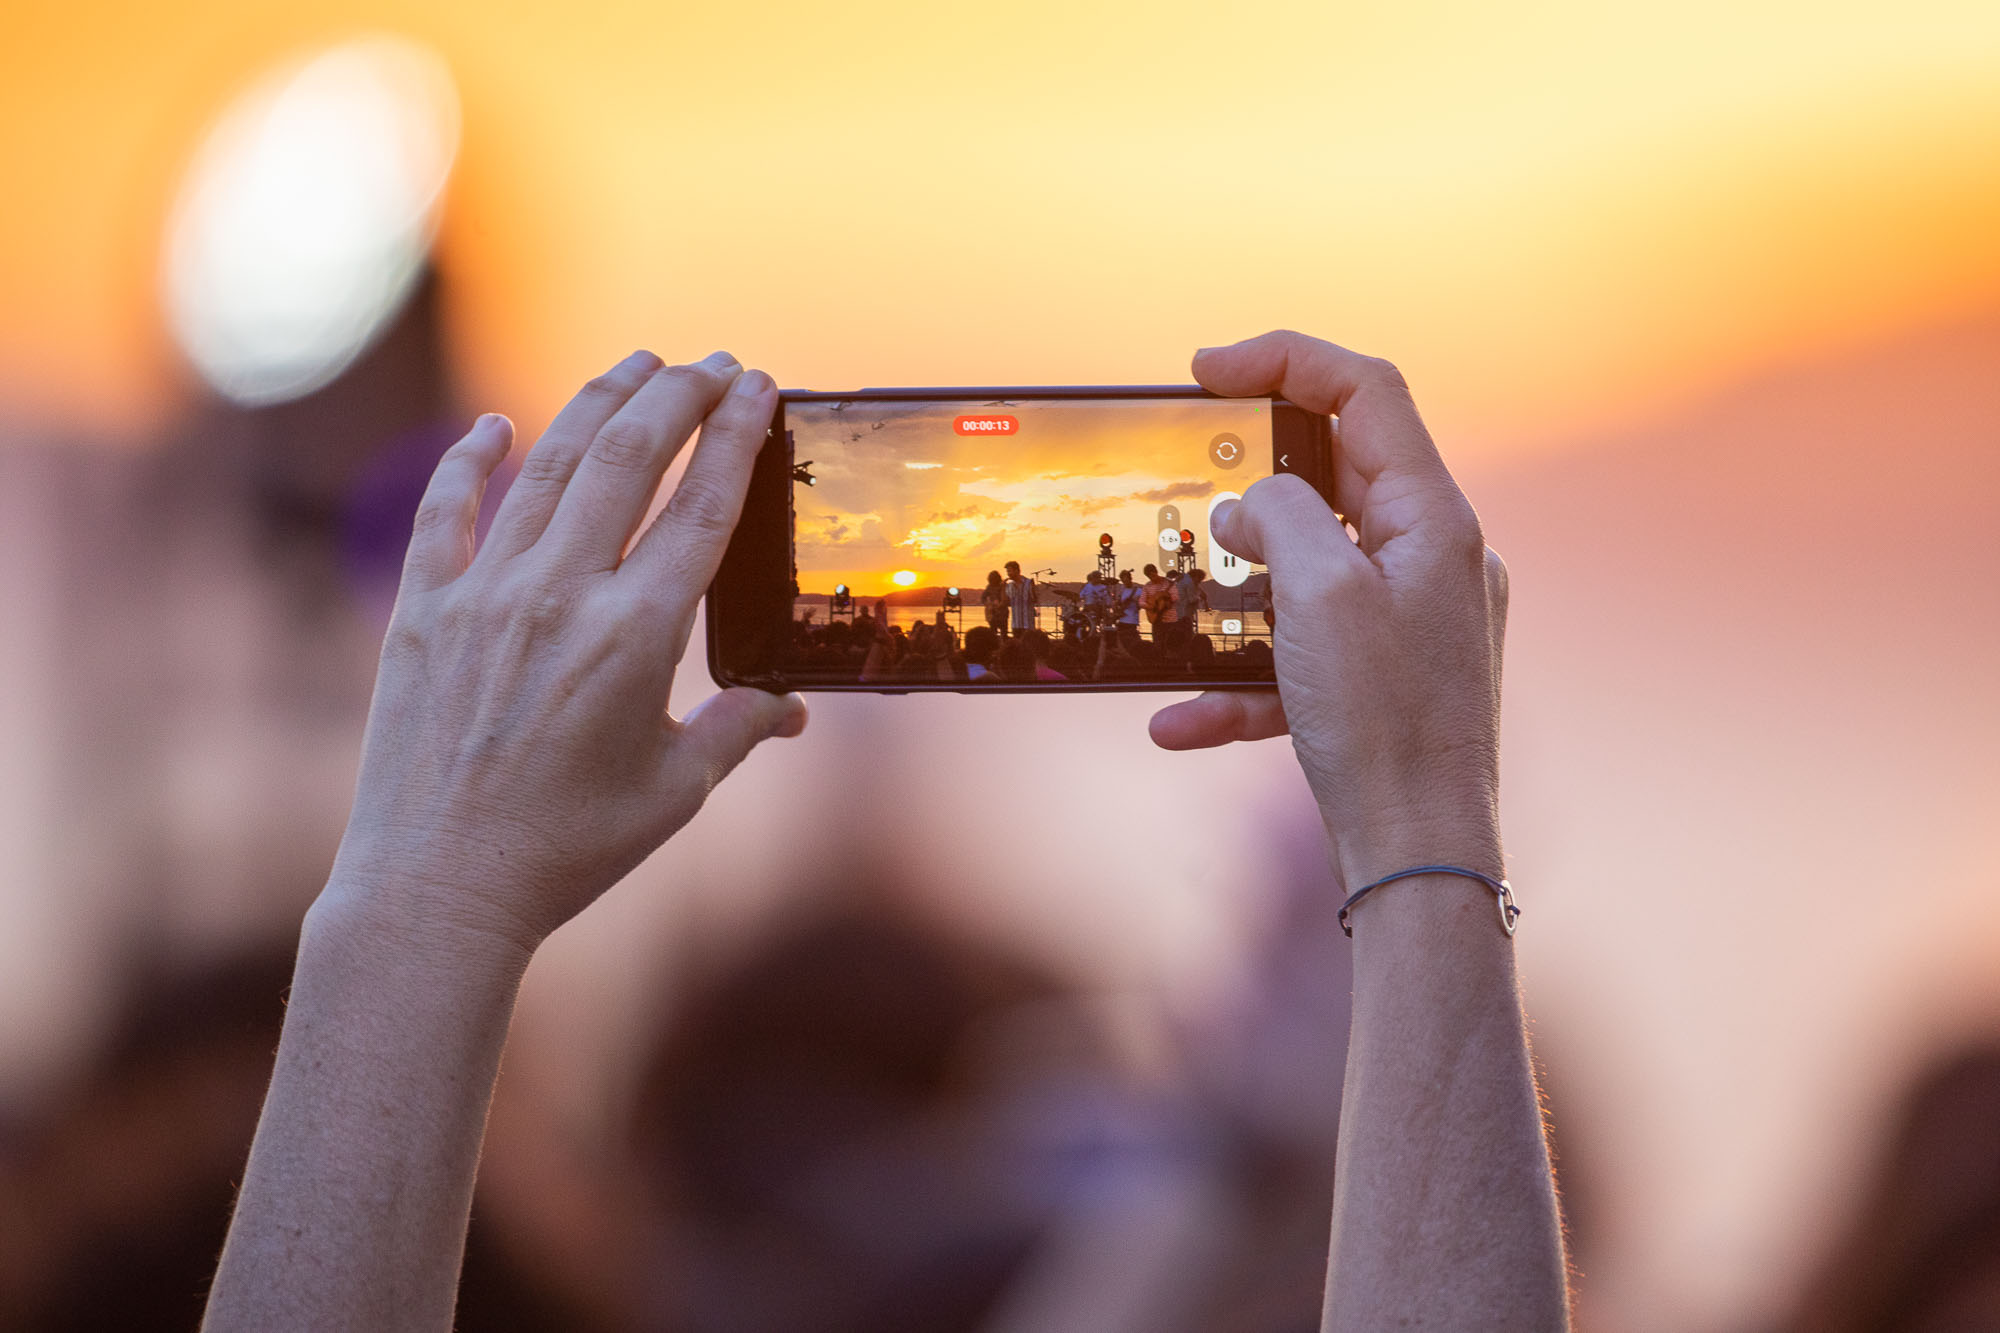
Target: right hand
[(1388, 651)]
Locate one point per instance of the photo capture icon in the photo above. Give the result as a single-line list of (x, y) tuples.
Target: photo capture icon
[(1225, 566)]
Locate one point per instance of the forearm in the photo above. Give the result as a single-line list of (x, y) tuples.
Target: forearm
[(519, 758), (1445, 1210), (354, 1203)]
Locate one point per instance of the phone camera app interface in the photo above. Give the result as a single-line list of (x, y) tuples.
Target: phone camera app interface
[(1038, 541)]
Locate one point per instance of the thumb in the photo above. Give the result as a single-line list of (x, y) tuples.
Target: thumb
[(723, 728)]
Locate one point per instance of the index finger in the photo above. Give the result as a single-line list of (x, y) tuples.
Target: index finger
[(678, 555), (1381, 433)]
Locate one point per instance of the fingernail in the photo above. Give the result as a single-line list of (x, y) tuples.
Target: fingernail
[(792, 721), (751, 383), (1204, 351), (719, 360), (641, 360)]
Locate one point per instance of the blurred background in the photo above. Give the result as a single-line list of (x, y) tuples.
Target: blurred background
[(982, 1013)]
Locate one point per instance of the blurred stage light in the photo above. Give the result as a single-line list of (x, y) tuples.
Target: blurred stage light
[(303, 224)]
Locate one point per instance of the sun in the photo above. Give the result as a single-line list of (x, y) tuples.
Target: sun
[(904, 578)]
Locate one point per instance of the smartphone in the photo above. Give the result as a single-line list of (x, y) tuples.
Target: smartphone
[(1005, 540)]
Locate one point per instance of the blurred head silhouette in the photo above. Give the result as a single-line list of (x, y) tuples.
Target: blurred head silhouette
[(1923, 1255)]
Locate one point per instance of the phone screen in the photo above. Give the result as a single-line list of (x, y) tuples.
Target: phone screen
[(1022, 541)]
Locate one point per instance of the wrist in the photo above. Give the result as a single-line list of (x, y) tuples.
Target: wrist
[(1365, 853), (463, 894), (411, 926)]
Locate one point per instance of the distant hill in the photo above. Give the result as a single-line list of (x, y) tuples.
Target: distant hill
[(929, 596)]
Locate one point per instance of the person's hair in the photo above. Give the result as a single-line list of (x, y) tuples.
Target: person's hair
[(1037, 641), (980, 643), (993, 576), (1119, 664), (831, 1054), (1014, 565), (1125, 575), (1152, 571), (1017, 663), (1093, 577), (1923, 1247), (1200, 574), (1201, 648)]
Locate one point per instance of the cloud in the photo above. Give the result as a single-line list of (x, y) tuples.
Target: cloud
[(835, 528), (828, 528), (1180, 490), (979, 508), (1040, 498), (1087, 507)]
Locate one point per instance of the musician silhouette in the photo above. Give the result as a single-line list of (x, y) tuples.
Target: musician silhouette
[(994, 598), (1020, 598)]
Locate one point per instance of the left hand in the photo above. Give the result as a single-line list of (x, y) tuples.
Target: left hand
[(519, 757)]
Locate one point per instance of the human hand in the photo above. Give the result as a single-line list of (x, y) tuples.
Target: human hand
[(519, 756), (1388, 653)]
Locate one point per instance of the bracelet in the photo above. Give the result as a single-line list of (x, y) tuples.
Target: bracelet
[(1502, 890)]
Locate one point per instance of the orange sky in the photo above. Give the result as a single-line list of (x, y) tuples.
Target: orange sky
[(1552, 219), (911, 494)]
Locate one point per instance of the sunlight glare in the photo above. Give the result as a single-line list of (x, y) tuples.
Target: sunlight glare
[(305, 219)]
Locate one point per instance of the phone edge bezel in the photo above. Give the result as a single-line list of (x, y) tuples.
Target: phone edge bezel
[(1320, 441)]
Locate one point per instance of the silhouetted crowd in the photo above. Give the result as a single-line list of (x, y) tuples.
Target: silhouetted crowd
[(869, 649)]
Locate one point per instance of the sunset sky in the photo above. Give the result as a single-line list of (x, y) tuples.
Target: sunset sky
[(1550, 216), (1702, 301), (912, 494)]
